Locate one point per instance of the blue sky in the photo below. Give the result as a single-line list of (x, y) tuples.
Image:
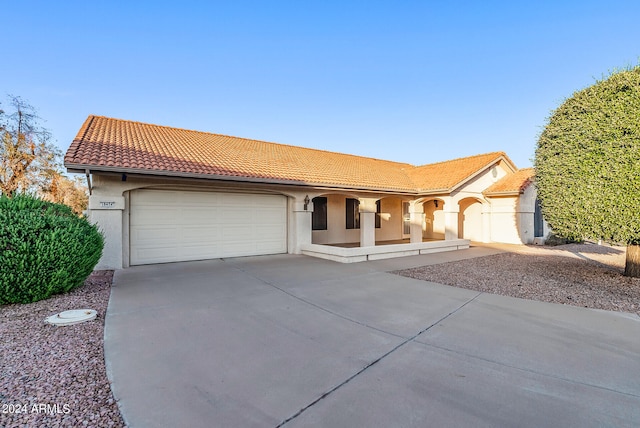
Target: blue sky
[(409, 81)]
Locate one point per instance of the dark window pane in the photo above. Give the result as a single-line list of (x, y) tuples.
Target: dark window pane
[(319, 216), (353, 213)]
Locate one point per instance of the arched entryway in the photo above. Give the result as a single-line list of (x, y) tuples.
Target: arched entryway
[(470, 220), (434, 223)]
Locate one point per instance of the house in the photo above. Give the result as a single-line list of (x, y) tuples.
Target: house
[(162, 194)]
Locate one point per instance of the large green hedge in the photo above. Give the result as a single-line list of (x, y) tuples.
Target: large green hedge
[(588, 162), (45, 249)]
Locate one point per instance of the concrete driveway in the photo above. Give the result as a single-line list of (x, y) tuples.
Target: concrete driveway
[(296, 341)]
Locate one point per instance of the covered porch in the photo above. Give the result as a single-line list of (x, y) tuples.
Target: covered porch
[(351, 227)]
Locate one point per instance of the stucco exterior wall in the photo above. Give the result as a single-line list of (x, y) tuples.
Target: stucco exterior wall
[(109, 222), (470, 220), (504, 221), (337, 232), (525, 209), (512, 217), (434, 220), (390, 219), (482, 181)]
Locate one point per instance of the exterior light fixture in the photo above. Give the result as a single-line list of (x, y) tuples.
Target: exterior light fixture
[(435, 201), (306, 202)]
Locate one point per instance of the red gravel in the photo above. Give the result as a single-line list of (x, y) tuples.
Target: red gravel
[(586, 275), (55, 376)]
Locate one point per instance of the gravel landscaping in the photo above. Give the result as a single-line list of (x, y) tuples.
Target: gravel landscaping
[(586, 275), (55, 376)]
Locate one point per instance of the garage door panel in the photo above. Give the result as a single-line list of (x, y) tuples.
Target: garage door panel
[(155, 234), (197, 216), (157, 255), (272, 215), (170, 226), (270, 232), (236, 248), (235, 216), (197, 199), (267, 245), (233, 234), (162, 215), (238, 199), (198, 252), (146, 198), (201, 234), (266, 200)]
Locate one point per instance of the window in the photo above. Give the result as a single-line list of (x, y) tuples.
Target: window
[(319, 216), (406, 219), (353, 214)]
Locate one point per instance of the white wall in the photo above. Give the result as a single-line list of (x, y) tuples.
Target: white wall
[(434, 220), (391, 219), (470, 220), (525, 209), (337, 232), (512, 217), (504, 221), (482, 181)]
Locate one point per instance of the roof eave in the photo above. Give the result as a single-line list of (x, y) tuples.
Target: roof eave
[(80, 168), (505, 193), (431, 192)]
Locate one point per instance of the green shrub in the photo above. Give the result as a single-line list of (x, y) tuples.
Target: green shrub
[(45, 249), (554, 239)]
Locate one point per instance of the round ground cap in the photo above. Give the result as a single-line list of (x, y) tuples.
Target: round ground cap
[(74, 316)]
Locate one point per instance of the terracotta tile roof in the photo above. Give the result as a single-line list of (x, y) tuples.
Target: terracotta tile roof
[(445, 176), (512, 183), (119, 145)]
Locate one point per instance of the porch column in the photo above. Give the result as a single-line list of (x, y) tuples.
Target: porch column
[(451, 211), (416, 219), (367, 222), (301, 224)]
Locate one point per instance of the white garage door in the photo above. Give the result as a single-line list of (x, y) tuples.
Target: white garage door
[(171, 226)]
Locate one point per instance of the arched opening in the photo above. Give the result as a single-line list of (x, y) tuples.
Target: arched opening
[(433, 228), (470, 220)]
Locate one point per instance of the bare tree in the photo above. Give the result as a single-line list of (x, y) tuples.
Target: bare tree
[(28, 161), (67, 191)]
